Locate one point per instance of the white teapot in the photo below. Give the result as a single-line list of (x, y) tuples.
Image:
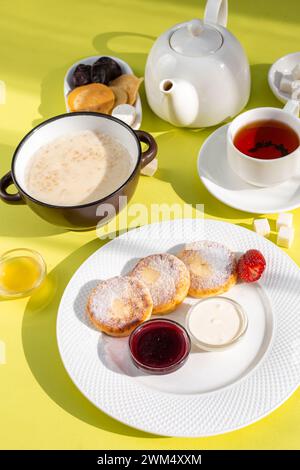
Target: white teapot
[(197, 73)]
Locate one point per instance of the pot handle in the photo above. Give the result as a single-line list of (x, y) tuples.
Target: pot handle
[(149, 154), (5, 182), (216, 11)]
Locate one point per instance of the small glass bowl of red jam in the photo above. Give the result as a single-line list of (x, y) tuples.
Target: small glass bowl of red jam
[(159, 346)]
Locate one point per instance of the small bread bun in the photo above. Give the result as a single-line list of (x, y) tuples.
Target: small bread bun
[(118, 305)]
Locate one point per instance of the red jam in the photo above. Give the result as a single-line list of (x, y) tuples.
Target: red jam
[(159, 346)]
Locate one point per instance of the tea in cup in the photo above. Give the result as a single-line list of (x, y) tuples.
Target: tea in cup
[(263, 144)]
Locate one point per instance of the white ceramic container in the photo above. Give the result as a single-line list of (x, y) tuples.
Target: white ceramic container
[(265, 172), (68, 84), (197, 73), (282, 66)]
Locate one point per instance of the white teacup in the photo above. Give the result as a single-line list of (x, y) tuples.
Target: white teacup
[(257, 171)]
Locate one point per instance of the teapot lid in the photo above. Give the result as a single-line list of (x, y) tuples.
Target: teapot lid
[(196, 39)]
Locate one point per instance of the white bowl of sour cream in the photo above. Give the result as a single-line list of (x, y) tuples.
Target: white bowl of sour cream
[(214, 323)]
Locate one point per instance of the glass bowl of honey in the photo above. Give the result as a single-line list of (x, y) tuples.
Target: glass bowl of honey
[(22, 271)]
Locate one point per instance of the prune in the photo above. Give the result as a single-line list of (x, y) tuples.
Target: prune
[(111, 67), (82, 75), (99, 74)]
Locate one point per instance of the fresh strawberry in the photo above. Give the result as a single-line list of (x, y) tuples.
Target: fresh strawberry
[(250, 266)]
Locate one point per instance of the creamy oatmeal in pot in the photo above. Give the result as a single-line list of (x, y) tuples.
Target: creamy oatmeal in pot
[(78, 168)]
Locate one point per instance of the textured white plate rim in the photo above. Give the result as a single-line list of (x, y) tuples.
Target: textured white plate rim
[(251, 372), (138, 104), (209, 187), (281, 96), (226, 431)]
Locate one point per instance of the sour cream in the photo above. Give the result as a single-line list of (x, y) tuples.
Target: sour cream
[(216, 322)]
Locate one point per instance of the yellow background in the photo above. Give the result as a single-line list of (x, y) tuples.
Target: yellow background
[(39, 40)]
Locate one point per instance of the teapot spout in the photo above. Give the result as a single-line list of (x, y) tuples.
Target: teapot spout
[(181, 101), (166, 86)]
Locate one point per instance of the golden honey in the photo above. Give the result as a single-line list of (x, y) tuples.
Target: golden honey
[(21, 271)]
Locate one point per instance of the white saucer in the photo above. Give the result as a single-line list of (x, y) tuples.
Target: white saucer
[(223, 183), (125, 69), (284, 65)]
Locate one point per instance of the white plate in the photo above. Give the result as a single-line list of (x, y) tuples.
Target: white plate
[(68, 86), (213, 392), (283, 65), (224, 184)]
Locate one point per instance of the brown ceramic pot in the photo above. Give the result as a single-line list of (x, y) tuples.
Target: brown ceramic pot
[(83, 216)]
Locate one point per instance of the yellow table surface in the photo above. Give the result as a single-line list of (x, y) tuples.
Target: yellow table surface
[(39, 405)]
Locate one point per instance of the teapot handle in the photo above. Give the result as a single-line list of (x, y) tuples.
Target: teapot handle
[(216, 11)]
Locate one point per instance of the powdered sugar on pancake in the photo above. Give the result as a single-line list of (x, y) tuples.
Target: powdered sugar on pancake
[(119, 302), (163, 274), (211, 264)]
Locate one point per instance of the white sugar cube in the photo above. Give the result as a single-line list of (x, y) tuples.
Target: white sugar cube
[(296, 94), (285, 84), (262, 227), (151, 168), (285, 237), (284, 220), (296, 72), (295, 84), (125, 112)]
